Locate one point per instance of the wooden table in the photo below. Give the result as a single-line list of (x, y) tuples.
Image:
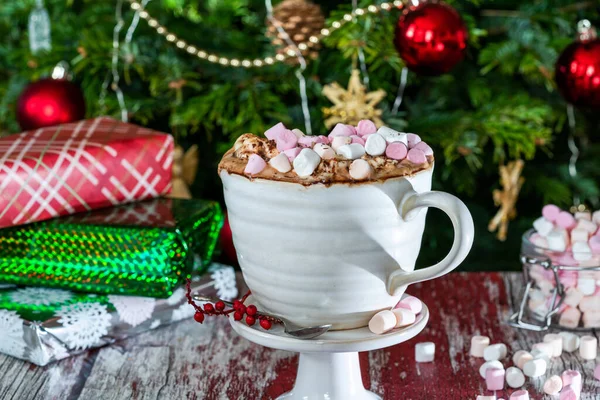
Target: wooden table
[(209, 361)]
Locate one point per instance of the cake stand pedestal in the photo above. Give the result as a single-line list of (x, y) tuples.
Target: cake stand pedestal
[(329, 368)]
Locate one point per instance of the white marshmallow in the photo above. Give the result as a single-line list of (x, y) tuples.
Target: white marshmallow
[(324, 151), (478, 345), (579, 235), (590, 304), (557, 240), (298, 133), (556, 342), (570, 341), (360, 169), (514, 377), (495, 352), (404, 317), (306, 162), (391, 135), (339, 141), (375, 145), (553, 385), (581, 251), (281, 163), (382, 322), (538, 354), (425, 352), (588, 347), (543, 346), (583, 215), (543, 226), (573, 297), (351, 151), (587, 225), (596, 217), (521, 357), (587, 286), (489, 364), (535, 367)]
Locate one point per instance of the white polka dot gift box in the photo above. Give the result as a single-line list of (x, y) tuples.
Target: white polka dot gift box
[(42, 325), (80, 166)]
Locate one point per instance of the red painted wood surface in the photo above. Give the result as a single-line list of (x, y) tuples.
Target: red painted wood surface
[(192, 361)]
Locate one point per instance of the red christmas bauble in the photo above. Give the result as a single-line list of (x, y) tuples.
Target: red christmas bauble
[(226, 241), (50, 102), (578, 73), (431, 38)]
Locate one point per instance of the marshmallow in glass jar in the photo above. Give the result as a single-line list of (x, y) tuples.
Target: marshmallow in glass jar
[(561, 256)]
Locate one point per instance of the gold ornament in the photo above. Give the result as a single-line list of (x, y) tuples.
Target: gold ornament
[(511, 181), (301, 20), (352, 104), (184, 171)]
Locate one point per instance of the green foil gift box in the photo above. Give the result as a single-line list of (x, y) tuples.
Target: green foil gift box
[(147, 248)]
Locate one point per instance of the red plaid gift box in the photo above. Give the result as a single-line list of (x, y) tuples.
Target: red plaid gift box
[(80, 166)]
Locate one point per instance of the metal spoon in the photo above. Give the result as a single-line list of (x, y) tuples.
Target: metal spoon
[(289, 327)]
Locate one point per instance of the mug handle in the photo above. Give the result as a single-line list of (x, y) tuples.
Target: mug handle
[(462, 221)]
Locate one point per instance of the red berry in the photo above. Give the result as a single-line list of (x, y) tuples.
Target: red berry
[(251, 310), (199, 317), (242, 309), (266, 324), (220, 306), (237, 304), (250, 320), (208, 308), (238, 316)]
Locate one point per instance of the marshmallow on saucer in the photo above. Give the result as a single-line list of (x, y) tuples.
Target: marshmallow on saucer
[(411, 303), (375, 145), (478, 345), (382, 322), (588, 347), (425, 352), (404, 317), (360, 169), (351, 151), (392, 136), (281, 163), (514, 377), (306, 162)]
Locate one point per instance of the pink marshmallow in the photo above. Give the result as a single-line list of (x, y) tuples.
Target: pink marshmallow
[(494, 378), (322, 139), (292, 153), (307, 141), (413, 139), (275, 131), (396, 151), (358, 139), (255, 165), (424, 147), (519, 395), (416, 156), (550, 212), (568, 393), (286, 140), (572, 378), (353, 129), (365, 127), (410, 303), (341, 130), (594, 243), (565, 220)]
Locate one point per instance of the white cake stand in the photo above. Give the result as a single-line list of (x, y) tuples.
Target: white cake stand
[(329, 368)]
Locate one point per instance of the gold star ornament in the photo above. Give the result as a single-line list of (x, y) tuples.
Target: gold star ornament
[(352, 104)]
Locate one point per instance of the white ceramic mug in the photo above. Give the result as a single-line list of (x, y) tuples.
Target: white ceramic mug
[(337, 254)]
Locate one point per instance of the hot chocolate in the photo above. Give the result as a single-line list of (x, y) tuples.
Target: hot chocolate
[(347, 154)]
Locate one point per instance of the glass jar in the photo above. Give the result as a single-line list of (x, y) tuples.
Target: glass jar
[(562, 289)]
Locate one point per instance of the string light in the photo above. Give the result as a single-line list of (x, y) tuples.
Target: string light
[(258, 62)]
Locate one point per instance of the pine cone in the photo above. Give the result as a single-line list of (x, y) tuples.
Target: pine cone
[(300, 19)]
